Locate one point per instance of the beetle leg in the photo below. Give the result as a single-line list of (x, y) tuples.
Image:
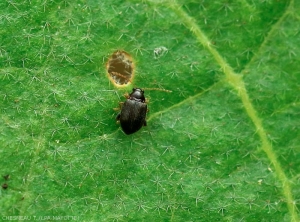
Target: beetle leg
[(145, 123), (118, 117), (126, 95), (120, 106)]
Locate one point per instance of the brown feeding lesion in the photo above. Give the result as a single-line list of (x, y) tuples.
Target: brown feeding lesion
[(120, 68)]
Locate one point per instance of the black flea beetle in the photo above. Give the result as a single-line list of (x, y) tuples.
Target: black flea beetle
[(133, 112)]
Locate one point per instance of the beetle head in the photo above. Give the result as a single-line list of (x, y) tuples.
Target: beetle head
[(137, 94)]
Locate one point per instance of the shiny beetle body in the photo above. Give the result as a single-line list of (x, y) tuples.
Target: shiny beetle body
[(133, 112)]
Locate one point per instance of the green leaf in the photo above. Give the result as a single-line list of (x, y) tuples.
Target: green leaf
[(224, 145)]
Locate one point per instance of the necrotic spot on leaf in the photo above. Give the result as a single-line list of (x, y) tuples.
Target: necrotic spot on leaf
[(120, 68), (6, 177), (4, 186)]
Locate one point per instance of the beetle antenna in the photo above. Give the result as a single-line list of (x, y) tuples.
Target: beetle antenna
[(122, 76), (158, 89)]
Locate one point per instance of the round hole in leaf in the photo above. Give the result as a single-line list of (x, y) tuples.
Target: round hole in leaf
[(120, 68)]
